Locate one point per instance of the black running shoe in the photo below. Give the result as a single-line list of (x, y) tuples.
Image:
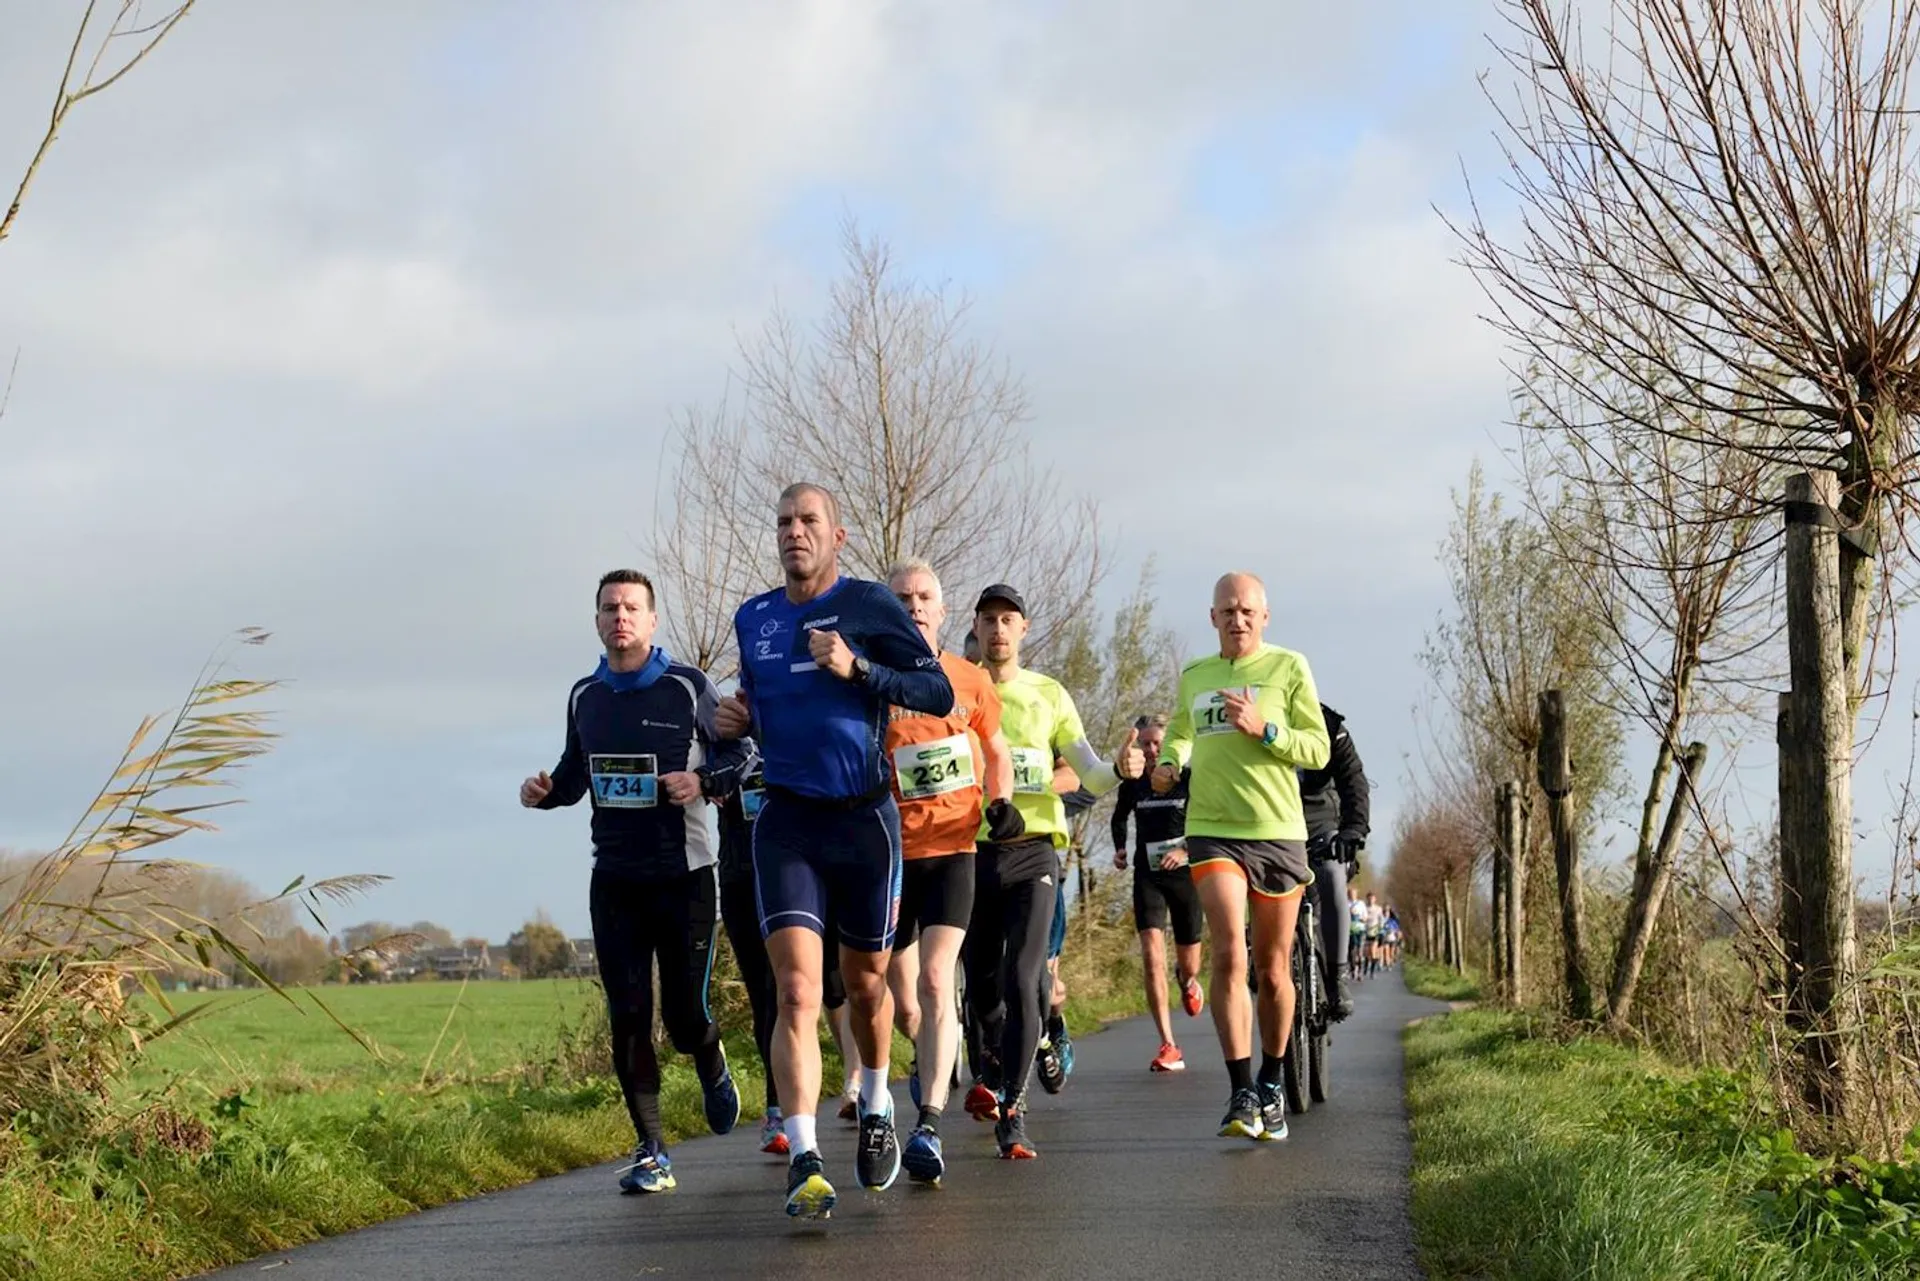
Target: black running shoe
[(877, 1163), (809, 1195), (1243, 1116), (1048, 1067)]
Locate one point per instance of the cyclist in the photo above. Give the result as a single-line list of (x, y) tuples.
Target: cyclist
[(1246, 720), (1163, 891), (1335, 799), (944, 767), (821, 661), (643, 745), (1015, 881)]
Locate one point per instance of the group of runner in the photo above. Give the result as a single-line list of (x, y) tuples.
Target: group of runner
[(890, 813), (1373, 935)]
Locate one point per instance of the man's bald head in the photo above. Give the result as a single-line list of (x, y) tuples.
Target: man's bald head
[(1239, 613), (1239, 585)]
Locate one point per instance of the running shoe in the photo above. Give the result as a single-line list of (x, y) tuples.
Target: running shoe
[(1273, 1113), (982, 1103), (773, 1134), (922, 1158), (1063, 1046), (1047, 1065), (877, 1162), (1243, 1116), (722, 1100), (1169, 1059), (1010, 1132), (850, 1104), (651, 1170), (809, 1195), (1192, 999)]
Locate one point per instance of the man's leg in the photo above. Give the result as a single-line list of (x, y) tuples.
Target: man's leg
[(1330, 889), (1153, 962), (689, 924), (1026, 912), (939, 1039), (625, 952), (986, 984), (1223, 897), (1273, 921), (741, 916), (797, 959), (903, 980)]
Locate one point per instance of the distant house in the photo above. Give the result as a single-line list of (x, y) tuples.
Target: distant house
[(583, 962), (460, 962)]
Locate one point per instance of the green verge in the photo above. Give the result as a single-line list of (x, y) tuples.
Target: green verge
[(302, 1134), (1540, 1156), (1425, 978)]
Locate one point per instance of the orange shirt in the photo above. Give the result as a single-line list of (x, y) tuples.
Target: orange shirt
[(939, 770)]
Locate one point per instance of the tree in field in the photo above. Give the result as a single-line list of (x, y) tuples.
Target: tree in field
[(1716, 219), (915, 426), (538, 949)]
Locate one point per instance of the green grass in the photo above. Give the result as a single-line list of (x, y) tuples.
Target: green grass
[(1425, 978), (1537, 1157)]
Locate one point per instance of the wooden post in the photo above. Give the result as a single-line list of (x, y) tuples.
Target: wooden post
[(1556, 780), (1498, 917), (1515, 838), (1816, 798)]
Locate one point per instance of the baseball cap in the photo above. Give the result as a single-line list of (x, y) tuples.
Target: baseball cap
[(1002, 592)]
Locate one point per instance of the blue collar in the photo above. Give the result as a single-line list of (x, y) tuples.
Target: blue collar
[(625, 682)]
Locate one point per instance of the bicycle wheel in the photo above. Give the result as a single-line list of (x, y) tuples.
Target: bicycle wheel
[(1319, 1020), (1297, 1065)]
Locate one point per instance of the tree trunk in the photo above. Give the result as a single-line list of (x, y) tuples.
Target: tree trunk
[(1652, 874), (1512, 836), (1556, 780), (1816, 801), (1446, 922), (1497, 925)]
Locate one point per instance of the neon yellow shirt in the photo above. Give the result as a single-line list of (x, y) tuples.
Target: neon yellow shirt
[(1040, 722), (1244, 789)]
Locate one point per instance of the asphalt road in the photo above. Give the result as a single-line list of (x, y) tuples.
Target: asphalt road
[(1130, 1182)]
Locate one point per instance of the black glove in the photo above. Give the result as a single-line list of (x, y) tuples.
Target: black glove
[(1346, 848), (1004, 823)]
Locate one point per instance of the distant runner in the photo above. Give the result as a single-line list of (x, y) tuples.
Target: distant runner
[(821, 662), (642, 743), (1163, 891)]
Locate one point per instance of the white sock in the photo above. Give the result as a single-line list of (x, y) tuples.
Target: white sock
[(800, 1135), (874, 1096)]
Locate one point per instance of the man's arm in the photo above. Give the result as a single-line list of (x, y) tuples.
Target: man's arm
[(901, 670), (1122, 807), (570, 775), (725, 760), (1350, 781), (1302, 740), (996, 756), (1178, 744)]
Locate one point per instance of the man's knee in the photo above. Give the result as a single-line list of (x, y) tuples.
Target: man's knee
[(799, 993), (1276, 975)]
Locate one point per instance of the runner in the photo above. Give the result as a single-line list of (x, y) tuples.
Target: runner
[(1376, 925), (821, 661), (740, 913), (1053, 1061), (943, 767), (1015, 881), (1356, 934), (643, 744), (1335, 800), (1163, 891), (1247, 717)]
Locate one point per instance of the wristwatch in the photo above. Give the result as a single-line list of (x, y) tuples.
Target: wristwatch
[(861, 670), (1269, 734)]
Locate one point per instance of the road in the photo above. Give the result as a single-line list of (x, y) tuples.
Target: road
[(1130, 1182)]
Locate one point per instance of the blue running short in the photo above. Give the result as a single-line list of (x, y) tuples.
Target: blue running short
[(820, 861)]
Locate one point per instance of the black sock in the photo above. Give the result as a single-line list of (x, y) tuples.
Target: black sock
[(1269, 1068), (773, 1096), (1240, 1073), (930, 1118)]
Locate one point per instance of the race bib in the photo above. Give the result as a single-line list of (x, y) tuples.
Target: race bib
[(624, 782), (1032, 770), (753, 794), (934, 769), (1157, 850), (1210, 714)]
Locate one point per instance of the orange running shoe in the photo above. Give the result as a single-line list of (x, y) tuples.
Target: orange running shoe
[(1191, 998), (1169, 1059), (983, 1104)]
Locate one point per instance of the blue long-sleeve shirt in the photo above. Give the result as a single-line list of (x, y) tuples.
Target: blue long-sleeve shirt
[(820, 735), (624, 730)]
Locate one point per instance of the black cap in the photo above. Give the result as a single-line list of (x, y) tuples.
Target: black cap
[(1000, 591)]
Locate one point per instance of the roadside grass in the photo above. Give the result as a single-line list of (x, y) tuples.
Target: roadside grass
[(267, 1127), (1427, 978), (1541, 1156)]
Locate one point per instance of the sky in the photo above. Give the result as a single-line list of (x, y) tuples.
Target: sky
[(364, 323)]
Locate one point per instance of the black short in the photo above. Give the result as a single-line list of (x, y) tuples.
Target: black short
[(1161, 899), (934, 891), (1272, 869)]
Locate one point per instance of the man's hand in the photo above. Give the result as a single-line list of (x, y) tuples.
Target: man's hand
[(1119, 860), (731, 718), (1004, 822), (1174, 859), (535, 789), (1347, 848), (1130, 762), (682, 787), (1244, 712), (1165, 776), (831, 652)]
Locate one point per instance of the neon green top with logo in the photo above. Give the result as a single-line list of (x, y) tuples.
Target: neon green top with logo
[(1040, 722), (1242, 788)]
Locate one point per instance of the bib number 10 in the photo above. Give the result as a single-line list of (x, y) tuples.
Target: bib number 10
[(1210, 715)]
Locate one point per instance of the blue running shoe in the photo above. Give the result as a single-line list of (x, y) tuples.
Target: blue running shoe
[(722, 1101), (1063, 1046), (922, 1157), (809, 1195), (651, 1171)]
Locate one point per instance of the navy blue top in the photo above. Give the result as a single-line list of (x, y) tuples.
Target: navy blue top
[(819, 735), (624, 730)]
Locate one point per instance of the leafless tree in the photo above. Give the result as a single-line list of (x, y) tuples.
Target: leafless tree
[(918, 430)]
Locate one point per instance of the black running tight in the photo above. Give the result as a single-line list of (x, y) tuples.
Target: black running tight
[(1005, 955), (740, 911)]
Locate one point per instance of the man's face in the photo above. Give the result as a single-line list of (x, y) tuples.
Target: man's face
[(809, 540), (920, 594), (1239, 614), (1000, 628), (625, 618), (1151, 739)]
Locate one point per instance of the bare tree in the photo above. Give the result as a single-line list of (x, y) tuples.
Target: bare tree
[(126, 41), (917, 429), (1717, 216)]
